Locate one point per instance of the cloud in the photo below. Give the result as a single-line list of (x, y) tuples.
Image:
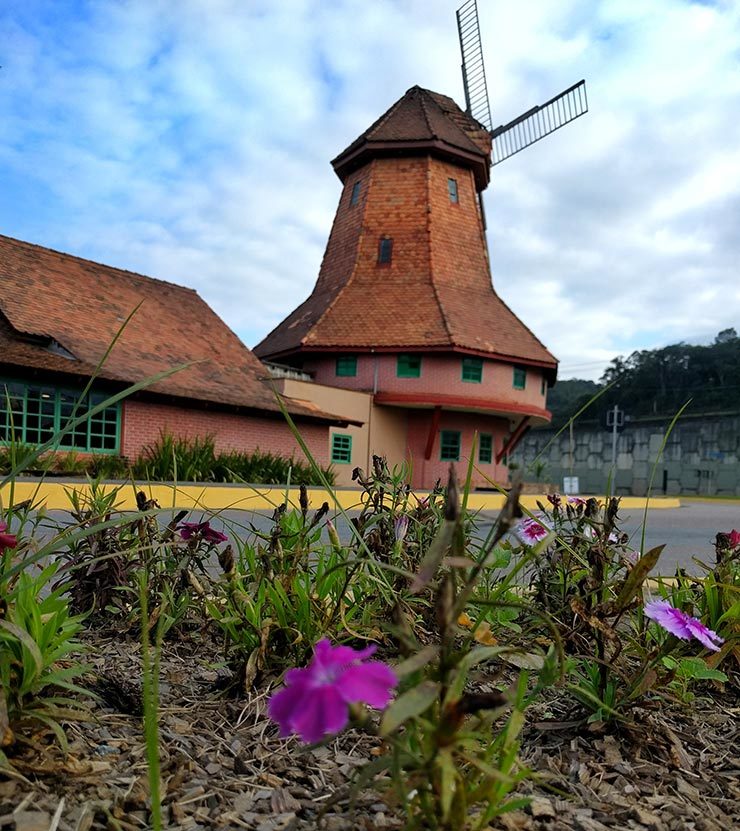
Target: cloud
[(194, 146)]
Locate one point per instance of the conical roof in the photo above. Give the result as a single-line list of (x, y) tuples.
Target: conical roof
[(419, 120)]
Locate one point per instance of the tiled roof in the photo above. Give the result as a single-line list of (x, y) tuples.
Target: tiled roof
[(419, 117), (81, 305)]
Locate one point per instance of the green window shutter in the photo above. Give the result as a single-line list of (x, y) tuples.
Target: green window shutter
[(347, 366), (449, 446), (485, 448), (520, 378), (33, 413), (408, 366), (472, 370), (341, 448)]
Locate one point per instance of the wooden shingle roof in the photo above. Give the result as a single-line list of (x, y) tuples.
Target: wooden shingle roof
[(60, 313)]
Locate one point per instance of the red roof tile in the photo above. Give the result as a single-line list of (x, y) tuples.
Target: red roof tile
[(82, 304)]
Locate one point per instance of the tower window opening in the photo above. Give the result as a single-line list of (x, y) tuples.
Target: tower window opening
[(452, 190), (355, 195), (385, 251), (520, 378), (449, 446)]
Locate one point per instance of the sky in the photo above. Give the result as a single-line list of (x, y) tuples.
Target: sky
[(191, 141)]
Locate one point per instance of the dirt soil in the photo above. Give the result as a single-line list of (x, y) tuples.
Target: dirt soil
[(223, 765)]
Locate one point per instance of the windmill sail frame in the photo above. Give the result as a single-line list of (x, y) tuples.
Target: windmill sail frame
[(533, 125), (473, 68)]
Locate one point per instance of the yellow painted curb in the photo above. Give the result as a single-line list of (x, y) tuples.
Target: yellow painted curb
[(54, 496)]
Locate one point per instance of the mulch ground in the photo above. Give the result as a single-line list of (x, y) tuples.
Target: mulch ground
[(223, 765)]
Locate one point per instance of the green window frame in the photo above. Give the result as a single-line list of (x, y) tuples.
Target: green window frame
[(520, 378), (408, 366), (472, 370), (37, 412), (341, 448), (449, 445), (346, 366), (485, 448)]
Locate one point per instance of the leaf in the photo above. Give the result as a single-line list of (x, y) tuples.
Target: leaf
[(449, 781), (27, 641), (412, 703), (417, 661), (525, 660), (434, 556), (473, 658), (637, 576)]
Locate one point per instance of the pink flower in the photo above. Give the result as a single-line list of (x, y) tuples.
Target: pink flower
[(681, 625), (191, 529), (734, 538), (629, 557), (315, 700), (6, 540), (576, 500), (530, 531), (554, 499)]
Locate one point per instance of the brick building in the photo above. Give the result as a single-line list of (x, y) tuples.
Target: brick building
[(404, 313), (58, 316)]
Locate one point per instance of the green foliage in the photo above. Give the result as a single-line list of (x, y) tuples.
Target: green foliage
[(172, 458), (37, 649)]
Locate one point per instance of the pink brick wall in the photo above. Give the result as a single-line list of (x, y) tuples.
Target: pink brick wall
[(440, 373), (142, 423), (426, 472)]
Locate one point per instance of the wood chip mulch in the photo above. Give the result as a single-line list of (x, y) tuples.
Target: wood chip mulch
[(223, 765)]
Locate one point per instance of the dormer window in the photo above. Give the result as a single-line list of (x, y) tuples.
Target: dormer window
[(385, 251), (355, 195)]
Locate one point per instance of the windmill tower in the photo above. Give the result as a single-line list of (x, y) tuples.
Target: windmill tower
[(404, 308)]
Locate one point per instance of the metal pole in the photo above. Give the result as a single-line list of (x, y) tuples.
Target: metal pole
[(615, 411)]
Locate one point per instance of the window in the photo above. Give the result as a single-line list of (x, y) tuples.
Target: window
[(355, 195), (485, 448), (408, 366), (347, 366), (34, 413), (341, 448), (543, 388), (452, 190), (449, 446), (385, 251), (520, 378), (472, 370)]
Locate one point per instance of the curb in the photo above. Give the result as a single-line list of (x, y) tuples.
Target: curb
[(53, 495)]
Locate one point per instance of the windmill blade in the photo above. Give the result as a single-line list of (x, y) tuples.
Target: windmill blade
[(510, 139), (473, 71)]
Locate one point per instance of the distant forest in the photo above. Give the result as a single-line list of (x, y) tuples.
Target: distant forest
[(658, 382)]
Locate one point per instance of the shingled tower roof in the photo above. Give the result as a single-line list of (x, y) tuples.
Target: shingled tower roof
[(436, 293)]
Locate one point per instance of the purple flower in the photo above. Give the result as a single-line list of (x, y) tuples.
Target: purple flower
[(530, 531), (6, 540), (629, 557), (315, 700), (401, 527), (734, 538), (576, 500), (554, 499), (188, 530), (681, 625)]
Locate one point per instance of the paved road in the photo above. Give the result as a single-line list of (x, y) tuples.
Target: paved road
[(688, 531)]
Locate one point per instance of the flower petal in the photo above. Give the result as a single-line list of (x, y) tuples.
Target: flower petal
[(370, 683), (671, 619), (283, 706), (320, 713), (704, 634), (8, 541)]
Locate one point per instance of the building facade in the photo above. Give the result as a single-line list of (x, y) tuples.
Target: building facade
[(404, 310)]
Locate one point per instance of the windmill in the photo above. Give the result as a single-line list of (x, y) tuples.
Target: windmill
[(527, 128)]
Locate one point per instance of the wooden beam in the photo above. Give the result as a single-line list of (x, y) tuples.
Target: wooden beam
[(521, 429), (433, 427)]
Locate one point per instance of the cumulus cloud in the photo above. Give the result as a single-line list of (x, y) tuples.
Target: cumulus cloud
[(192, 142)]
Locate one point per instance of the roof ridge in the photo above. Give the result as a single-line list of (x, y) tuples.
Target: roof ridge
[(422, 102), (77, 257)]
